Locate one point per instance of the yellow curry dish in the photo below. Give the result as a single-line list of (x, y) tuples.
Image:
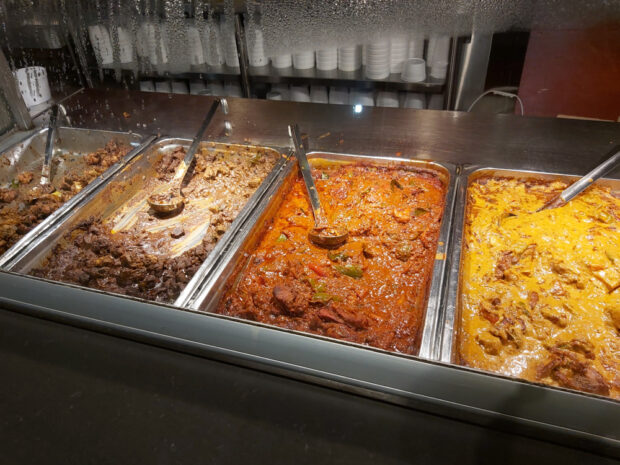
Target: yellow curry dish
[(540, 291)]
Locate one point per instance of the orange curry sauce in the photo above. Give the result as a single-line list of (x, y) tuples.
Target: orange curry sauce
[(371, 290), (540, 292)]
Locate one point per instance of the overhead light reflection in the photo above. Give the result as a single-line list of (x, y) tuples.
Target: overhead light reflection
[(357, 108)]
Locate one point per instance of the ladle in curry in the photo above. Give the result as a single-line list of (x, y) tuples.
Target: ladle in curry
[(323, 234), (579, 186), (172, 199)]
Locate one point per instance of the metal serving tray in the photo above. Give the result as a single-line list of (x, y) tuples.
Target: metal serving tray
[(119, 189), (452, 314), (28, 154), (208, 293)]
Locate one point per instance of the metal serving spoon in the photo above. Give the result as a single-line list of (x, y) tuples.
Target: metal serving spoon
[(172, 199), (323, 234), (579, 186)]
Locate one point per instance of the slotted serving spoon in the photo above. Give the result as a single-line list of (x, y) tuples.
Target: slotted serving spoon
[(323, 234), (582, 184), (171, 199)]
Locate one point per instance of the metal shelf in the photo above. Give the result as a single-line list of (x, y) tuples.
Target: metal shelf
[(205, 72), (269, 74)]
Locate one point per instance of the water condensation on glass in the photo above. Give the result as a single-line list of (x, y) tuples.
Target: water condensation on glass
[(295, 26)]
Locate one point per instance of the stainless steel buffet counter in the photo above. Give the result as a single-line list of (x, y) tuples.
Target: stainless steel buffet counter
[(564, 146)]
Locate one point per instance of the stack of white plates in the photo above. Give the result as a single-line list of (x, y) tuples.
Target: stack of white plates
[(196, 87), (274, 95), (229, 45), (327, 59), (163, 86), (378, 59), (179, 87), (414, 100), (282, 61), (194, 45), (414, 70), (232, 89), (300, 94), (416, 46), (387, 99), (213, 43), (215, 88), (303, 60), (318, 94), (256, 49), (398, 53), (350, 58), (362, 97), (147, 86), (437, 56), (339, 95), (282, 89)]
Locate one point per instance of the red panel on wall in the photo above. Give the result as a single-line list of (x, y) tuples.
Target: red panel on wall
[(573, 72)]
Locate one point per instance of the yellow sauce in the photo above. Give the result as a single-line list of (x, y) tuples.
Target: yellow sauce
[(540, 293)]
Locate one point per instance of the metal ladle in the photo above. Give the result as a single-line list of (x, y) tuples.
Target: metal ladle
[(323, 234), (582, 184), (172, 199)]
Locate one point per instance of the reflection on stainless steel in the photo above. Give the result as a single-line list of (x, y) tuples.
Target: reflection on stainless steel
[(107, 201), (452, 313), (29, 154), (209, 292)]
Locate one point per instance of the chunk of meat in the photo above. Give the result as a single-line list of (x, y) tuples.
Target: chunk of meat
[(532, 299), (568, 370), (93, 158), (7, 195), (490, 344), (25, 177), (290, 300), (505, 261), (510, 331), (554, 315), (586, 348)]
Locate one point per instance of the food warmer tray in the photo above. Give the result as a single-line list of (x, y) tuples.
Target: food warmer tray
[(439, 388), (112, 195), (451, 316), (208, 293), (28, 154)]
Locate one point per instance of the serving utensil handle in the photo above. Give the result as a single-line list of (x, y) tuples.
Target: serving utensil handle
[(304, 166), (601, 170), (49, 146), (189, 155)]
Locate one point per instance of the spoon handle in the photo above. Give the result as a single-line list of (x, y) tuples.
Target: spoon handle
[(601, 170), (49, 146), (189, 155), (304, 166)]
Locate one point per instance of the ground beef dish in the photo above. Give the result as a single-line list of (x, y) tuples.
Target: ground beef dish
[(140, 253), (540, 291), (22, 206), (371, 290)]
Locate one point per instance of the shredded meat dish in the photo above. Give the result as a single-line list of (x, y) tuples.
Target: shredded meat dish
[(23, 206), (141, 253), (540, 291), (371, 290)]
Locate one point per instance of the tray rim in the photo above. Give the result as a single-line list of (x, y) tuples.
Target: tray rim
[(450, 327), (23, 245), (429, 342)]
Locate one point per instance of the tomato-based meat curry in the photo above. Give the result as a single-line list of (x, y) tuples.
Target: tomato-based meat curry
[(371, 290), (540, 293)]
